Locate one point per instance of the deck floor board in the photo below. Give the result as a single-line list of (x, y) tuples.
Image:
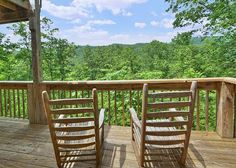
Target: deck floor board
[(24, 145)]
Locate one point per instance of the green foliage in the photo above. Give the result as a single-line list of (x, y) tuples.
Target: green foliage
[(216, 16), (23, 47), (183, 38), (184, 57)]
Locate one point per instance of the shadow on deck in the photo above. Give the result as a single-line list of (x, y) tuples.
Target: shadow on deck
[(24, 145)]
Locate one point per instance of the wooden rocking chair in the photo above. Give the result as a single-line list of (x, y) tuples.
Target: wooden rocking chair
[(166, 124), (75, 126)]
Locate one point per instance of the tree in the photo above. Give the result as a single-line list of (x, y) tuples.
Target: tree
[(182, 38), (215, 16), (65, 53), (48, 49), (10, 65), (23, 45)]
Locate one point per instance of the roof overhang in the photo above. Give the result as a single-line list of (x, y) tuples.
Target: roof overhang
[(14, 11)]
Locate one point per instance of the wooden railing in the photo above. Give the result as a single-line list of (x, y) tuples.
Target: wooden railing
[(13, 99), (118, 101), (214, 106)]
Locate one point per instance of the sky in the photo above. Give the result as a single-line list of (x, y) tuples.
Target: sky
[(104, 22)]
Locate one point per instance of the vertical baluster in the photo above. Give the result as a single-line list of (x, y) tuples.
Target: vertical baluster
[(198, 111), (179, 98), (109, 107), (138, 102), (130, 105), (53, 94), (102, 99), (88, 93), (14, 103), (115, 110), (217, 103), (64, 94), (23, 102), (123, 108), (82, 92), (131, 121), (5, 102), (153, 100), (9, 102), (162, 99), (26, 103), (58, 94), (130, 98), (70, 94), (18, 104), (207, 110), (61, 94), (1, 109), (76, 93), (171, 97), (76, 96)]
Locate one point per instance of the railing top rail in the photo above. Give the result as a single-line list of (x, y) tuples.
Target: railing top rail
[(91, 82), (230, 80), (203, 83), (215, 79), (16, 82)]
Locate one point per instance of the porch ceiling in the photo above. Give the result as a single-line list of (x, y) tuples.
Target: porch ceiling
[(14, 11)]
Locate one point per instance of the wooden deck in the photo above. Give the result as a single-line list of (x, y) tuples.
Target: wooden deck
[(29, 146)]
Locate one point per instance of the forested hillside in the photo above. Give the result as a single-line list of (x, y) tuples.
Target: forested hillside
[(184, 57)]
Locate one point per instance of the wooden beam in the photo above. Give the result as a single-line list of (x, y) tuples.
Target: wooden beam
[(35, 104), (234, 112), (36, 43), (16, 16), (21, 3), (36, 112), (225, 114), (8, 5)]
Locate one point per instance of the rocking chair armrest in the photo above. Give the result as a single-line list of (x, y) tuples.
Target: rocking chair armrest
[(101, 118), (134, 118)]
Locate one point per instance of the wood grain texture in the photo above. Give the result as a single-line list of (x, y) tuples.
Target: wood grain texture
[(36, 115), (24, 145), (225, 119), (71, 132), (163, 122)]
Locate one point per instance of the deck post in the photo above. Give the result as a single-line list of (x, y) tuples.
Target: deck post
[(36, 114), (35, 104), (234, 111), (225, 114)]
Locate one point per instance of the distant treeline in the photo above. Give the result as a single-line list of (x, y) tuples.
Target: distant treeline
[(62, 60)]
